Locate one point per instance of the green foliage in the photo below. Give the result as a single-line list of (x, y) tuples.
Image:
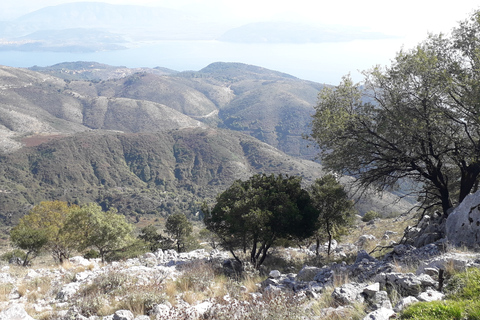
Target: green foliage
[(105, 231), (153, 239), (336, 211), (15, 253), (370, 215), (435, 310), (43, 226), (179, 228), (253, 214), (417, 119), (463, 292), (464, 285)]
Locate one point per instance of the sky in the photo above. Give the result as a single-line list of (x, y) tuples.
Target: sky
[(405, 18), (409, 20)]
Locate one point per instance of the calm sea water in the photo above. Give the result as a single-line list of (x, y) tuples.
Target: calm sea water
[(325, 62)]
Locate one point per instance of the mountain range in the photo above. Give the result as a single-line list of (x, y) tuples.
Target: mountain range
[(152, 141)]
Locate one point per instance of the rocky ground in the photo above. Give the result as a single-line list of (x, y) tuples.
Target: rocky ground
[(168, 285)]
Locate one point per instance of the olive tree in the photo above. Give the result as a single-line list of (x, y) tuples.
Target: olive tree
[(106, 231), (251, 215), (415, 119), (44, 226)]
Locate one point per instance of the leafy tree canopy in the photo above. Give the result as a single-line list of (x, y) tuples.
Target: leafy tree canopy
[(336, 211), (45, 224), (252, 214), (179, 228), (416, 119)]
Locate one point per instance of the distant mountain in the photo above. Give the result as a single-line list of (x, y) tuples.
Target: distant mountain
[(292, 32), (146, 173), (89, 70), (97, 26), (272, 106), (149, 142)]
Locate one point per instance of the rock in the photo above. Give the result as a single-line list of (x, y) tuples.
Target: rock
[(463, 223), (274, 274), (380, 300), (123, 315), (307, 273), (15, 312), (405, 302), (161, 311), (380, 314), (406, 284), (68, 291), (372, 289), (142, 318), (349, 293), (430, 295), (363, 255), (362, 240), (325, 276)]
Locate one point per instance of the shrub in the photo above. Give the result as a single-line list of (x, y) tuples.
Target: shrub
[(15, 253), (370, 215), (435, 310)]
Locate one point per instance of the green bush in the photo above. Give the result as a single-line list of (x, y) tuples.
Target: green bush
[(463, 292), (435, 310), (16, 253), (91, 254), (464, 285), (370, 215)]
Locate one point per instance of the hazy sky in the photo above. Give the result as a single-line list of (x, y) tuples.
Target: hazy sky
[(405, 18)]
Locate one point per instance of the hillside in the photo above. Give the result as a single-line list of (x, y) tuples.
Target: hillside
[(146, 173), (152, 141)]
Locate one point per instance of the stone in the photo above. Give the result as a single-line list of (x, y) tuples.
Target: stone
[(15, 312), (68, 291), (463, 223), (372, 289), (405, 302), (307, 273), (380, 314), (406, 284), (142, 317), (363, 255), (349, 293), (123, 315), (274, 274), (430, 295), (380, 300), (363, 239)]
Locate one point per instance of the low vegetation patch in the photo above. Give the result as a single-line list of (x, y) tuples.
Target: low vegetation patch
[(463, 292)]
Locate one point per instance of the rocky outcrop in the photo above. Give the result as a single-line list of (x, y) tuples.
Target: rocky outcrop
[(463, 224)]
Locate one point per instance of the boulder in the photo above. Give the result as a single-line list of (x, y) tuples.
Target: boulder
[(430, 295), (405, 302), (123, 315), (406, 284), (380, 314), (307, 273), (349, 293), (463, 223), (15, 312)]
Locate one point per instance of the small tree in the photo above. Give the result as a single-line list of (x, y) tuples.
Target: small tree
[(47, 219), (253, 214), (104, 231), (335, 209), (153, 239), (179, 228), (30, 239)]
